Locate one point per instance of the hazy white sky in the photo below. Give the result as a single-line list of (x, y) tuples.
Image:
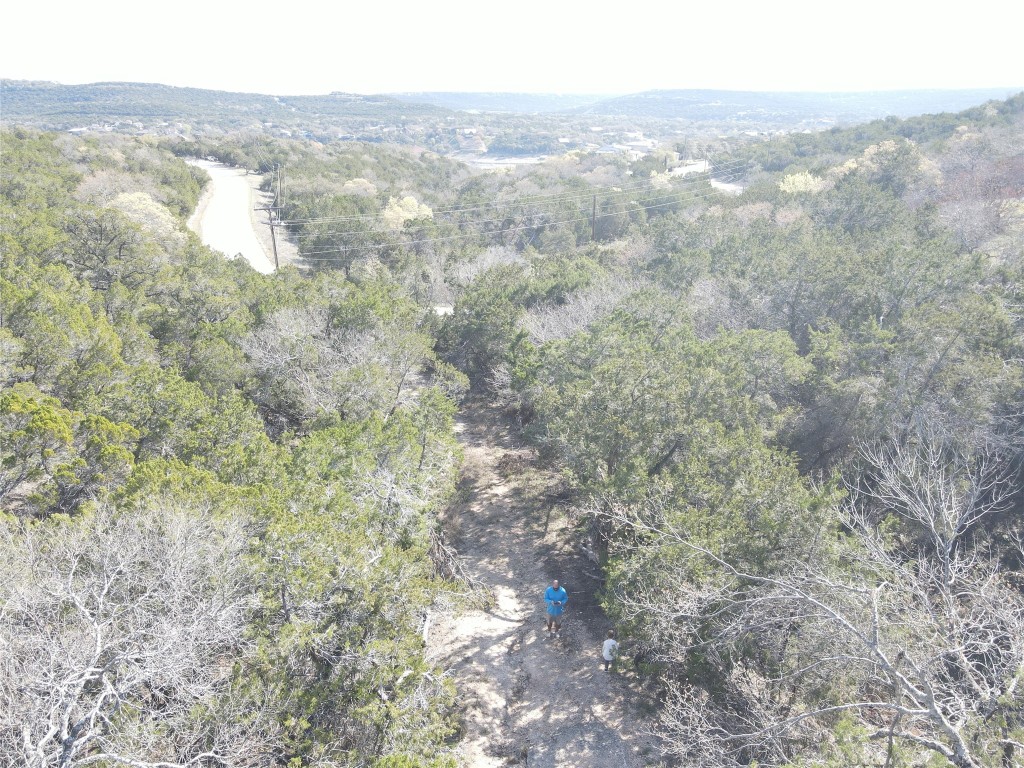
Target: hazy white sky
[(551, 46)]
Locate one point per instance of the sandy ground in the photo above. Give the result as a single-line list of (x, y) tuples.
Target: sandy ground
[(225, 218), (724, 186), (525, 698), (701, 166)]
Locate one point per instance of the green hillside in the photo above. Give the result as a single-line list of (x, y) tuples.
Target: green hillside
[(53, 105), (774, 411), (768, 107)]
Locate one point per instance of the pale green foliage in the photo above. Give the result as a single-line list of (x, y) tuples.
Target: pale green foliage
[(243, 599), (801, 182), (360, 187), (155, 218), (399, 211), (703, 374)]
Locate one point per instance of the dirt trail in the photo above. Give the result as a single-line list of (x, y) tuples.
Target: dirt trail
[(527, 699)]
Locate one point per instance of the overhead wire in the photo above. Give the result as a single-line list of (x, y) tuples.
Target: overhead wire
[(531, 199), (662, 202), (677, 197), (260, 156), (668, 200), (615, 193)]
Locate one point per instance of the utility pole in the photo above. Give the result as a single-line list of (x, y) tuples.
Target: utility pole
[(273, 240), (273, 236), (593, 219)]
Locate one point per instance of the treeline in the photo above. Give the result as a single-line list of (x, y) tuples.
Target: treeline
[(218, 488), (805, 149), (791, 425), (429, 223), (56, 106)]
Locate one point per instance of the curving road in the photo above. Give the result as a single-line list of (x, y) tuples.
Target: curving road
[(224, 217)]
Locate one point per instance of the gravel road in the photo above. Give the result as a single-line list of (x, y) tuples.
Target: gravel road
[(224, 217)]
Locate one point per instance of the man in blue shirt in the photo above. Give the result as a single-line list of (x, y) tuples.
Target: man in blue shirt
[(556, 598)]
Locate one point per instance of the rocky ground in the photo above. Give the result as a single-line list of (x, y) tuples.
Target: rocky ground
[(525, 698)]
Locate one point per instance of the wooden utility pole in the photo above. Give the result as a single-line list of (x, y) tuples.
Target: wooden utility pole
[(273, 236), (593, 219), (273, 240)]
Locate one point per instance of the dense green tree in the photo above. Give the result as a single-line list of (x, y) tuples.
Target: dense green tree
[(707, 375)]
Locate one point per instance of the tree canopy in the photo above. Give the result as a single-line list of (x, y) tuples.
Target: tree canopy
[(787, 425)]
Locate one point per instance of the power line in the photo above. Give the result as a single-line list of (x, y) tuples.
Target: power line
[(615, 194), (667, 200), (306, 256), (540, 199), (673, 196), (262, 158)]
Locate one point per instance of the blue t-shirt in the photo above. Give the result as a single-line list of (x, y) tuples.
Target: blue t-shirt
[(552, 596)]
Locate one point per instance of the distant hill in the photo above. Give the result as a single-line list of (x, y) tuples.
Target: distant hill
[(713, 105), (527, 103), (55, 105), (510, 123)]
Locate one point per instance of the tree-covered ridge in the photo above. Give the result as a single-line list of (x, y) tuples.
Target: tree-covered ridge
[(808, 148), (430, 223), (788, 427), (783, 107), (59, 105), (791, 423), (209, 554)]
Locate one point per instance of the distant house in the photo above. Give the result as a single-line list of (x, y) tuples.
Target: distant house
[(642, 145), (699, 166), (620, 149)]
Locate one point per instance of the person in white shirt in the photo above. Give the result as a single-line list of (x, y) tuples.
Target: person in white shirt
[(609, 650)]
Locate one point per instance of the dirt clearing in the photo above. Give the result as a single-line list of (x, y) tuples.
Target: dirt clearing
[(525, 698)]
